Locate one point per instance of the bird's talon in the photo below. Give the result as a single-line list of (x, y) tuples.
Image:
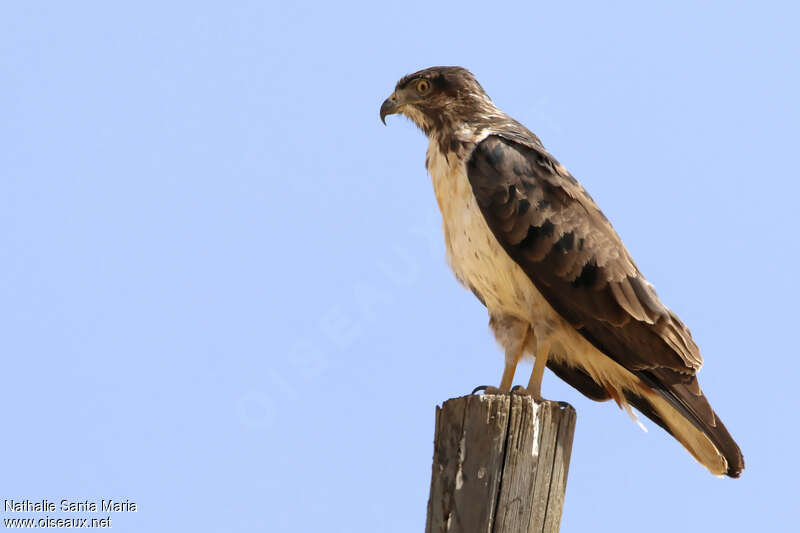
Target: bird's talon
[(488, 390), (522, 391)]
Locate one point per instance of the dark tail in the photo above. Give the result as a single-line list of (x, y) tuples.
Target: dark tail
[(676, 403)]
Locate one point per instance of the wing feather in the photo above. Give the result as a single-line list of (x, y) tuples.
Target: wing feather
[(553, 229)]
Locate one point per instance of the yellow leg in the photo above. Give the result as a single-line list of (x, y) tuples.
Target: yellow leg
[(508, 375), (535, 383), (511, 333)]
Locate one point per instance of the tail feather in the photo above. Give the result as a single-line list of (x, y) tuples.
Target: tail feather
[(683, 410), (676, 403)]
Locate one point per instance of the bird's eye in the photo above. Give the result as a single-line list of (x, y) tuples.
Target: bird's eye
[(423, 86)]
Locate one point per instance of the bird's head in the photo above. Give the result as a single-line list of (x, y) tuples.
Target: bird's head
[(438, 98)]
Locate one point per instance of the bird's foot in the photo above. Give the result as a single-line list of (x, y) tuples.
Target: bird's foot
[(522, 391), (488, 389)]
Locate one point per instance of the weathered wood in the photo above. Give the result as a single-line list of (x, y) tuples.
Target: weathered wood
[(500, 465)]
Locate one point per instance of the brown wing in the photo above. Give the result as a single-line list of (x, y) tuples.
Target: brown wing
[(553, 229)]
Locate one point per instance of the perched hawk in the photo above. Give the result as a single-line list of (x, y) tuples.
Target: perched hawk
[(559, 285)]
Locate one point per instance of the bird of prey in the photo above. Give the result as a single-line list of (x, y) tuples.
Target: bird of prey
[(526, 238)]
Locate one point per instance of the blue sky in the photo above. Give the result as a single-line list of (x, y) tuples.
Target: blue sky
[(224, 293)]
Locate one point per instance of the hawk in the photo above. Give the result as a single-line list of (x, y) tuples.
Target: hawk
[(526, 238)]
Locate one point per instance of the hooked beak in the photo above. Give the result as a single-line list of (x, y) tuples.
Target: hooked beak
[(390, 106)]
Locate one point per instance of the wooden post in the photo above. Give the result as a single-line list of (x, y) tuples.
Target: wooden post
[(500, 465)]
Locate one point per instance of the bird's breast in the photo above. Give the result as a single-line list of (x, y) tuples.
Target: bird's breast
[(477, 259)]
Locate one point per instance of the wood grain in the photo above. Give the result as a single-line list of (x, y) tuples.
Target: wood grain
[(500, 465)]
